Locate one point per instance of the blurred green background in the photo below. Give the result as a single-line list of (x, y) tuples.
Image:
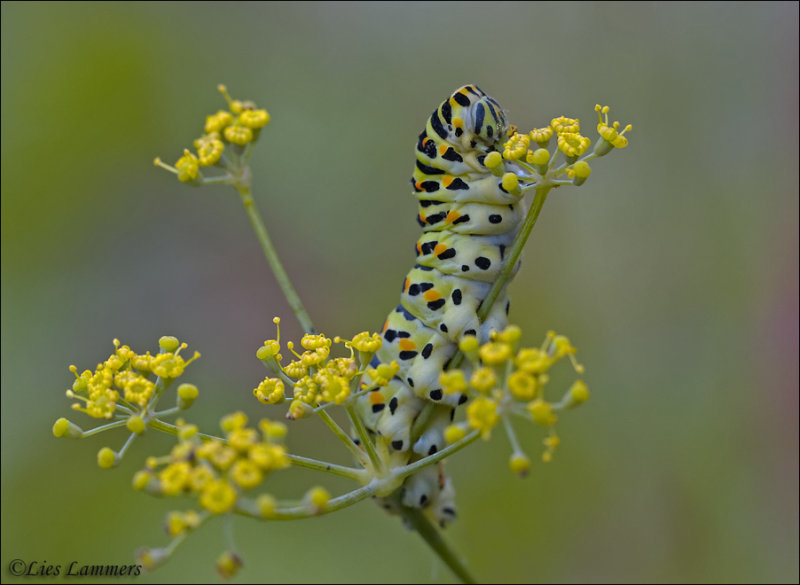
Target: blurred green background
[(674, 270)]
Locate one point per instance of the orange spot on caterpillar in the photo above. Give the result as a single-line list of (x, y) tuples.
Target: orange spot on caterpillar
[(405, 285), (418, 185), (385, 326), (443, 149), (406, 345), (438, 249), (419, 249), (422, 218), (425, 141), (375, 398), (446, 180), (452, 216), (432, 295), (458, 123)]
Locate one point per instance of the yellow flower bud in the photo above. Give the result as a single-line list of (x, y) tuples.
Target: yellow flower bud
[(520, 464), (106, 458), (135, 424), (318, 497), (542, 413), (454, 433)]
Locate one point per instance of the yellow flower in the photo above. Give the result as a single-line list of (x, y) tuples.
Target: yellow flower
[(254, 118), (366, 342), (383, 373), (272, 429), (270, 349), (298, 409), (483, 380), (516, 147), (223, 458), (174, 477), (345, 367), (218, 496), (270, 391), (136, 387), (246, 474), (269, 457), (218, 121), (209, 149), (296, 369), (541, 135), (319, 348), (542, 413), (233, 421), (612, 137), (334, 389), (495, 353), (170, 365), (215, 452), (188, 167), (573, 144), (200, 476), (532, 360), (453, 382), (240, 135), (243, 439), (482, 415), (522, 385), (562, 125), (306, 389)]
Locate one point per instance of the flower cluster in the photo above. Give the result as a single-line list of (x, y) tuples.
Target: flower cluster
[(238, 126), (506, 380), (125, 388), (528, 154), (217, 471), (315, 377)]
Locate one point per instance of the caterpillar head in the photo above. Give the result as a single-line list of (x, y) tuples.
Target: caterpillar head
[(472, 115)]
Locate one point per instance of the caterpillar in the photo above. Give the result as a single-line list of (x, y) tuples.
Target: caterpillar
[(468, 221)]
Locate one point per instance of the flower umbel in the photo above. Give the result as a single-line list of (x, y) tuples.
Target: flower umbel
[(225, 144)]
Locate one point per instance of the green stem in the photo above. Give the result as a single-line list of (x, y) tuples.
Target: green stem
[(101, 428), (419, 522), (249, 508), (355, 420), (421, 422), (342, 436), (411, 468), (297, 460), (171, 429), (511, 260), (272, 257), (512, 436), (316, 465), (514, 253)]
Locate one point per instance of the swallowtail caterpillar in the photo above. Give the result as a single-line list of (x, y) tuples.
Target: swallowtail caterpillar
[(468, 222)]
